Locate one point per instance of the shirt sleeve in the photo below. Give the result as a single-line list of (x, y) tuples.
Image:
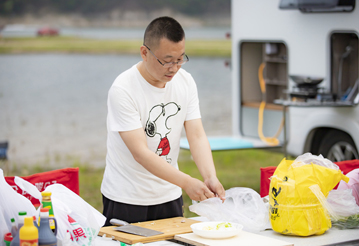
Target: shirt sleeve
[(193, 110), (122, 112)]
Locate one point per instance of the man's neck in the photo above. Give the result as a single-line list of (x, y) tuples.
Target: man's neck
[(149, 79)]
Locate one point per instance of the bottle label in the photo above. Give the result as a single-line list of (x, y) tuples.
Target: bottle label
[(52, 223), (34, 242), (46, 204)]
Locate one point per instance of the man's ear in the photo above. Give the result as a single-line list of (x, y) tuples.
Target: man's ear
[(144, 52)]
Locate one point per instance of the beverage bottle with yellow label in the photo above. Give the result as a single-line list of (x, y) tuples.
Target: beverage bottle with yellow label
[(29, 235), (47, 203)]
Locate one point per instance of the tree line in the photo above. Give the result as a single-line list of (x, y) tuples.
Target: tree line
[(90, 7)]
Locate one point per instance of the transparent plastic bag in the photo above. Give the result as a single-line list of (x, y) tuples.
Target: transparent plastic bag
[(341, 207), (242, 205), (353, 184)]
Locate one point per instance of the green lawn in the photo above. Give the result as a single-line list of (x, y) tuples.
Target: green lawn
[(218, 48), (235, 168)]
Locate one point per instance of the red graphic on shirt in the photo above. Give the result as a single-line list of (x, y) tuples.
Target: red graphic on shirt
[(164, 146)]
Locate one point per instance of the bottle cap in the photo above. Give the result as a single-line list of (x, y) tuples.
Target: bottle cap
[(28, 221), (44, 210), (22, 213), (8, 237), (46, 193), (12, 220)]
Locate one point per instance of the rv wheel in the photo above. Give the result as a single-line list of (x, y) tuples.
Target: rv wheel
[(338, 146)]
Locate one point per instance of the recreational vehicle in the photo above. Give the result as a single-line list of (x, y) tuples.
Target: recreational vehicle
[(295, 64)]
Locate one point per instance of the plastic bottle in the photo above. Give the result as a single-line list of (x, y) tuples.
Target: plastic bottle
[(16, 240), (29, 235), (13, 228), (46, 236), (47, 203)]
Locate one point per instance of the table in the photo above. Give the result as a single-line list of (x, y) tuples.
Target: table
[(331, 237)]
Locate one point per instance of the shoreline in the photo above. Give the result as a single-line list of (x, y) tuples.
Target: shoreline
[(61, 44)]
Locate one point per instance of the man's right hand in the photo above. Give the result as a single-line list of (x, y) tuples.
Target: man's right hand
[(197, 190)]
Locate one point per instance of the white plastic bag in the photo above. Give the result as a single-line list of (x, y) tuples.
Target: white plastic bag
[(242, 205), (85, 221), (308, 158), (88, 220), (11, 203)]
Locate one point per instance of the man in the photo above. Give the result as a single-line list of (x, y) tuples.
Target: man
[(148, 105)]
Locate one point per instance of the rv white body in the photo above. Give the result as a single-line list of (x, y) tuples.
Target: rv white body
[(307, 39)]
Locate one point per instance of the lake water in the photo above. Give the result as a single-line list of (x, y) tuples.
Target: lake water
[(114, 33), (53, 106)]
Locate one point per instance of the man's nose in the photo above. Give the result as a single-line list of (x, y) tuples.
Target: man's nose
[(175, 67)]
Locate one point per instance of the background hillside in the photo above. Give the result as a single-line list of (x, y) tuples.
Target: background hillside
[(113, 13)]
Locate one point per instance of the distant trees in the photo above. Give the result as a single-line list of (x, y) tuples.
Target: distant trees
[(88, 7)]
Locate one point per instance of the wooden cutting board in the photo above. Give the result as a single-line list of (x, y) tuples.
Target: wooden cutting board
[(170, 227), (244, 238)]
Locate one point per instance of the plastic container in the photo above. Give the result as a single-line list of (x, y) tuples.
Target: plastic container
[(8, 239), (29, 234), (16, 240), (47, 203), (13, 227), (46, 236)]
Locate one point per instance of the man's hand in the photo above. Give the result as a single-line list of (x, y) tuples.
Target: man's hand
[(216, 187), (197, 190)]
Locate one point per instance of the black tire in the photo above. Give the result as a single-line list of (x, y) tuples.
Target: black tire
[(338, 146)]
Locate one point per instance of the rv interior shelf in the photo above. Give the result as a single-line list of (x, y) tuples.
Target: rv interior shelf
[(270, 106), (313, 103), (275, 72), (276, 82), (275, 60)]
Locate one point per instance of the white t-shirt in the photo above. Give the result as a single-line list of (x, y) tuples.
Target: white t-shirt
[(161, 112)]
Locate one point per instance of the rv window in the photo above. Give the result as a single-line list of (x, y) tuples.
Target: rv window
[(317, 6)]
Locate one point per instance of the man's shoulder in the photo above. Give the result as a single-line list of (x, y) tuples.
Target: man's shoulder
[(184, 76), (126, 79)]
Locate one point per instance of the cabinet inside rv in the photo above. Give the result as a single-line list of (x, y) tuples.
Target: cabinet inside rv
[(269, 61), (344, 65)]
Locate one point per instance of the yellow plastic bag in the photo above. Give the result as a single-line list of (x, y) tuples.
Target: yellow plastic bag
[(294, 209)]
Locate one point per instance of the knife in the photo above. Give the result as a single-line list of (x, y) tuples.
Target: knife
[(132, 229)]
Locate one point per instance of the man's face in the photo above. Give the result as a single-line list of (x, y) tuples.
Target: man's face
[(166, 51)]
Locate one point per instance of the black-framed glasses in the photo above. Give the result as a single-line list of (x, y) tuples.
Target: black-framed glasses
[(169, 64)]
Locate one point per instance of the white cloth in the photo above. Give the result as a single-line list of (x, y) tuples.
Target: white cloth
[(134, 103)]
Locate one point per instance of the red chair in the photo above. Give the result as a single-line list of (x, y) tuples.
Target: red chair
[(68, 177), (267, 172)]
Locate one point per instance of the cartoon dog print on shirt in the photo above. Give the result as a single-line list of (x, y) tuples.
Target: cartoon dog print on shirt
[(157, 124)]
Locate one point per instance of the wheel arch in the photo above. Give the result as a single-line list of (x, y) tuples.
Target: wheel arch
[(315, 136)]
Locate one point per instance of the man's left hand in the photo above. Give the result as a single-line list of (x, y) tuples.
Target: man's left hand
[(216, 187)]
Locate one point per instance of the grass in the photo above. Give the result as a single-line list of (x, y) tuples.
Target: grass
[(210, 48), (235, 168)]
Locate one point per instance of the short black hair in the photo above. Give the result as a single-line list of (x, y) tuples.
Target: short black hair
[(163, 27)]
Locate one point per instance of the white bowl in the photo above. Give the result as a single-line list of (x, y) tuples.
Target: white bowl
[(199, 229)]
